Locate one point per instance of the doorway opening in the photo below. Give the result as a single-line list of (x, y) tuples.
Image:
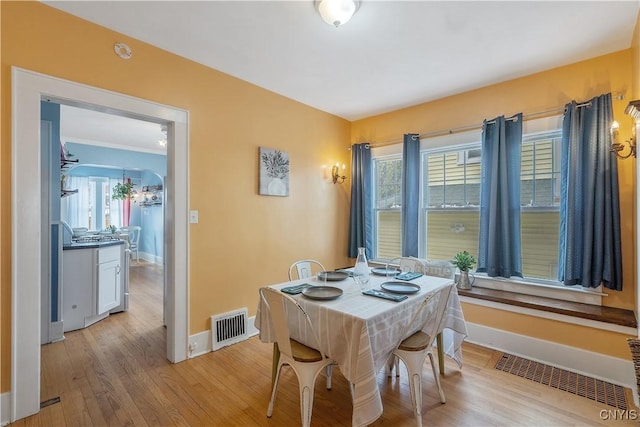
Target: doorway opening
[(29, 88)]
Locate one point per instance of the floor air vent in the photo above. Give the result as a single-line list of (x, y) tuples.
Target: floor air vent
[(228, 328), (591, 388)]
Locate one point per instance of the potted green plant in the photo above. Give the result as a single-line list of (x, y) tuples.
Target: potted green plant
[(464, 261), (122, 191)]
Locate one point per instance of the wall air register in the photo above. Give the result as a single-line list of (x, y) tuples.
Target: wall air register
[(228, 328)]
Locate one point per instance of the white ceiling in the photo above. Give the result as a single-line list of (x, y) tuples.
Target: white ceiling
[(95, 128), (392, 54)]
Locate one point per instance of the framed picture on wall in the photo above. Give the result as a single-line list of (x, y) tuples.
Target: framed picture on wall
[(274, 172)]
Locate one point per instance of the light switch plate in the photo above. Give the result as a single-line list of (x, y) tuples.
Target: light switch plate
[(193, 217)]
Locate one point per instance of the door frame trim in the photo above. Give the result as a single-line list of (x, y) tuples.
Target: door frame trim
[(28, 89)]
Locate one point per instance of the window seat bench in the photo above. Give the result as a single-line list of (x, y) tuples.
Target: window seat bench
[(613, 315)]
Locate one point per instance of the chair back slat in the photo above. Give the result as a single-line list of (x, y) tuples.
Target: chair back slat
[(407, 264), (439, 269), (430, 315), (281, 307), (305, 268)]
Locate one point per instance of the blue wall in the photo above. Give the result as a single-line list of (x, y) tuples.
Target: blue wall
[(122, 159), (153, 219), (50, 112), (144, 169)]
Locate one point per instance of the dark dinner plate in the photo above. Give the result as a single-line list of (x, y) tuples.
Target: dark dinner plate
[(382, 271), (333, 276), (400, 287), (322, 292)]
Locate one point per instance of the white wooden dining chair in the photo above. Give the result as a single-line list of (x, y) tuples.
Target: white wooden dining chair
[(406, 264), (304, 268), (306, 362), (133, 232), (421, 333), (439, 268)]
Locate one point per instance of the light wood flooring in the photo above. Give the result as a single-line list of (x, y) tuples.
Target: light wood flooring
[(114, 373)]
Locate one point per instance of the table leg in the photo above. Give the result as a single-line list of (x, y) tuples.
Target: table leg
[(440, 353), (274, 366)]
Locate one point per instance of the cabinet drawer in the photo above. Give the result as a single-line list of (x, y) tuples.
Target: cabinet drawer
[(108, 254)]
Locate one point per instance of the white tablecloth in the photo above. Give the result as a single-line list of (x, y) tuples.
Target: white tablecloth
[(360, 332)]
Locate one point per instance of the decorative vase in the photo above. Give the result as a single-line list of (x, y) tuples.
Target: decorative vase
[(276, 187), (464, 282), (361, 269)]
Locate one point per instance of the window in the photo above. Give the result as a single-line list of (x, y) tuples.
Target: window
[(387, 207), (540, 201), (451, 198), (451, 201), (92, 207)]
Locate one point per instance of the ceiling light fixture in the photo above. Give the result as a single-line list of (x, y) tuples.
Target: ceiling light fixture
[(163, 141), (337, 12)]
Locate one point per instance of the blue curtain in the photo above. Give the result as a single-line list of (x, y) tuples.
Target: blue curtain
[(361, 214), (589, 249), (499, 240), (410, 194)]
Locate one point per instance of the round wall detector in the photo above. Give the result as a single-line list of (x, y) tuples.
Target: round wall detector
[(122, 50)]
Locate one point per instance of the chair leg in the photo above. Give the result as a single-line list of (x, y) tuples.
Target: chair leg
[(437, 378), (272, 402), (416, 396), (306, 379), (414, 365), (329, 373), (392, 362)]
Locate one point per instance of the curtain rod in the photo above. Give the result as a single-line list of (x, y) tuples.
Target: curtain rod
[(539, 114)]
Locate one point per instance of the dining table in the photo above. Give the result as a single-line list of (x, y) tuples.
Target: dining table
[(360, 331)]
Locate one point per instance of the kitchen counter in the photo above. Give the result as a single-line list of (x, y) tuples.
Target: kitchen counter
[(92, 245), (94, 282)]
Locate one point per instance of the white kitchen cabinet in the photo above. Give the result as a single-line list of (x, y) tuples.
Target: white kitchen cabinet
[(91, 284), (109, 282)]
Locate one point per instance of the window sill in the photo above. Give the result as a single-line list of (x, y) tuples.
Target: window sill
[(520, 286), (611, 315)]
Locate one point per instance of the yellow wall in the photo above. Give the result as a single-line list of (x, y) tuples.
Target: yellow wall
[(635, 47), (238, 230), (230, 119), (538, 92)]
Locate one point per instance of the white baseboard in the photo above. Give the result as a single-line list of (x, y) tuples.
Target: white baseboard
[(56, 331), (201, 342), (5, 407), (251, 327), (154, 259), (607, 368)]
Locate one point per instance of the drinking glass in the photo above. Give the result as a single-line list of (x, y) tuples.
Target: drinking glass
[(362, 280), (321, 277)]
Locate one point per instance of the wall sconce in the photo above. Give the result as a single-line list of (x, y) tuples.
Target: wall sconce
[(633, 109), (335, 173)]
